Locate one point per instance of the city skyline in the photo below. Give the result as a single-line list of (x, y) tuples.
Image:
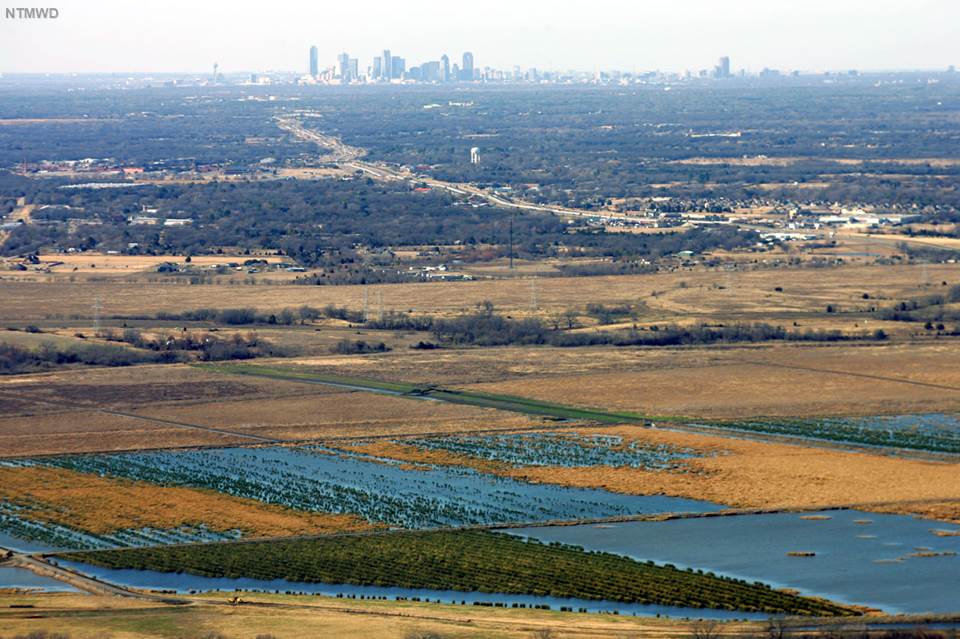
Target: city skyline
[(110, 36), (388, 67)]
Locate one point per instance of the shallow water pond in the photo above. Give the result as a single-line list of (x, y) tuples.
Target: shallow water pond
[(892, 562), (21, 578)]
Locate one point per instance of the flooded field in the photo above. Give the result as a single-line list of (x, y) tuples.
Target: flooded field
[(896, 563), (318, 479), (934, 432), (934, 423), (566, 450)]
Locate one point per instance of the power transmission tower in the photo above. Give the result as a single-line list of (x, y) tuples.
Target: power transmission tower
[(511, 241), (97, 307), (366, 304), (533, 294), (379, 304)]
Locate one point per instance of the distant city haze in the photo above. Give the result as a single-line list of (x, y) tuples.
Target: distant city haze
[(627, 35)]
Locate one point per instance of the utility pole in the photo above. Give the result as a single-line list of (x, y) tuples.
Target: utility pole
[(97, 306)]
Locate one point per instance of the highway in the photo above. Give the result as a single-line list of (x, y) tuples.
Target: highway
[(351, 157)]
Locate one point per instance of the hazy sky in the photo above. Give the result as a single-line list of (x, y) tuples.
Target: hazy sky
[(670, 35)]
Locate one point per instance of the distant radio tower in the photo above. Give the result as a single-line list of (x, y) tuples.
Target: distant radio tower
[(475, 155)]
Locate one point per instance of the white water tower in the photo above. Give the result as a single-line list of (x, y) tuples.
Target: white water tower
[(475, 155)]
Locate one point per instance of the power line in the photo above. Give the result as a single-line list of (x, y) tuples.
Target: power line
[(511, 240)]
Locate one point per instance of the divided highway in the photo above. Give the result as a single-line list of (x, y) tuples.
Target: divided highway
[(351, 157)]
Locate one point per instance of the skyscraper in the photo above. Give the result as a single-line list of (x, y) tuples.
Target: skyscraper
[(444, 68), (723, 69), (343, 66), (387, 70), (430, 71), (466, 69), (377, 69), (314, 63), (397, 66)]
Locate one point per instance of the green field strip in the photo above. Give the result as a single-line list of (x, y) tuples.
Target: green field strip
[(471, 398)]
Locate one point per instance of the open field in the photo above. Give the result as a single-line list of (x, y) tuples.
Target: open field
[(66, 498), (119, 388), (315, 339), (935, 242), (711, 382), (89, 431), (109, 409), (748, 295), (58, 411), (339, 414), (91, 410), (293, 617), (756, 381), (113, 264), (24, 339)]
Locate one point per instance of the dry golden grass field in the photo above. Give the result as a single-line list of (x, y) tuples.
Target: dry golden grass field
[(763, 381), (296, 617), (748, 295), (124, 388), (123, 264), (340, 414), (112, 409), (94, 431), (713, 381), (76, 500), (934, 242)]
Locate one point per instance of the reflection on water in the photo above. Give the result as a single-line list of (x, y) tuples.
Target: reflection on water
[(22, 545), (314, 478), (20, 578), (875, 563)]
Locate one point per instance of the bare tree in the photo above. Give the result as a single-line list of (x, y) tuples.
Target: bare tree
[(776, 628), (705, 629)]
